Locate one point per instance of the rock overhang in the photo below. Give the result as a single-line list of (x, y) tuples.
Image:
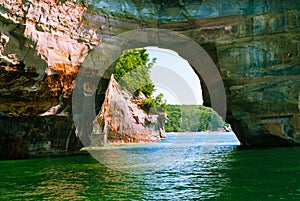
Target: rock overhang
[(254, 44)]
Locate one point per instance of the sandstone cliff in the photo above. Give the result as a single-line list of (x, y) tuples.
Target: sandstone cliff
[(43, 44), (121, 120)]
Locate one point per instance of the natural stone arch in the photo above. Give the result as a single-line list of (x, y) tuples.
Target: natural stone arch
[(250, 51), (98, 67), (255, 45)]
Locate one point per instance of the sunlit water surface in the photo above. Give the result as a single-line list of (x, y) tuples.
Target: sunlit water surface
[(212, 167)]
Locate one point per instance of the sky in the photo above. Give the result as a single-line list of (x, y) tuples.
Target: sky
[(173, 76)]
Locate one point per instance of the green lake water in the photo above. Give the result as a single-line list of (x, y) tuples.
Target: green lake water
[(208, 166)]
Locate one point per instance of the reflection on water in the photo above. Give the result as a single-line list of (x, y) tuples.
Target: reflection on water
[(214, 167), (153, 157)]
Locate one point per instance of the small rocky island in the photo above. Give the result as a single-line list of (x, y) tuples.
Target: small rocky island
[(121, 119)]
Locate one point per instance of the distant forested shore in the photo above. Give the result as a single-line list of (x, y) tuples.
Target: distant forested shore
[(192, 118)]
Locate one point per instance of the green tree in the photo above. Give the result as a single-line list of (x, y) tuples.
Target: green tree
[(132, 72), (192, 118), (154, 105)]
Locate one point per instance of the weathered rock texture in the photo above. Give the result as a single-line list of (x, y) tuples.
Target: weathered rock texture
[(121, 120), (41, 46), (255, 45)]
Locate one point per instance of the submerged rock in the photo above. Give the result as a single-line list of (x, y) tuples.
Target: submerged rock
[(121, 120)]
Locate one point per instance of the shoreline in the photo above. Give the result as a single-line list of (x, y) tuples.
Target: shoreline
[(187, 132), (116, 145)]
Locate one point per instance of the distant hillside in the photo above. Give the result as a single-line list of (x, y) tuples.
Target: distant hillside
[(193, 118)]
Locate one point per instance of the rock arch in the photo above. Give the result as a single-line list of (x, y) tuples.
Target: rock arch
[(98, 68), (254, 45), (256, 53)]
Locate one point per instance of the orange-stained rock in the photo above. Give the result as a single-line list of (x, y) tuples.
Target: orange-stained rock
[(255, 47), (121, 120)]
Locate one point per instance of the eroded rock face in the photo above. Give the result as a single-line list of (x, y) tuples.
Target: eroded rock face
[(255, 45), (120, 120), (41, 136), (42, 44)]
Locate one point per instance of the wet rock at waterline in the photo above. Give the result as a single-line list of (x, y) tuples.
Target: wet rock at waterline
[(121, 120), (43, 45)]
